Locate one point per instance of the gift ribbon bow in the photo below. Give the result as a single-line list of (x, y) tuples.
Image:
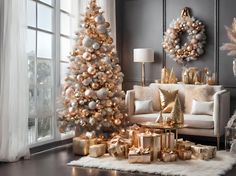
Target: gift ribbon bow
[(139, 151), (117, 140)]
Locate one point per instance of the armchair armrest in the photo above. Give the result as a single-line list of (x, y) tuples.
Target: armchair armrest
[(129, 101), (221, 111)]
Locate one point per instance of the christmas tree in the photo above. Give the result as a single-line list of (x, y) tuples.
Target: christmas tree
[(93, 97)]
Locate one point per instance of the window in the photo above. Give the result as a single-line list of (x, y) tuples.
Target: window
[(51, 26)]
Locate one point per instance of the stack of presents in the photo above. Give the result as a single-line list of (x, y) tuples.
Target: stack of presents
[(140, 145)]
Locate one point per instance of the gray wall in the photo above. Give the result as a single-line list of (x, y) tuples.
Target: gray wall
[(141, 23)]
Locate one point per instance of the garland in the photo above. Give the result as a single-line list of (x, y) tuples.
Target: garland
[(196, 38)]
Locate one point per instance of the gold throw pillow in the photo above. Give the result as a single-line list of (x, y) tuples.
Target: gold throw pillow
[(167, 98)]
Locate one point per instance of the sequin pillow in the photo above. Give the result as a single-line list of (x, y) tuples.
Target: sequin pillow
[(167, 99)]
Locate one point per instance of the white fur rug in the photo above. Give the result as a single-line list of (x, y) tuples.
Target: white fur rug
[(219, 165)]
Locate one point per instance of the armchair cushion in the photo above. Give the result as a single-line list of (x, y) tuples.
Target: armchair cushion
[(192, 121), (143, 106), (202, 107), (200, 93)]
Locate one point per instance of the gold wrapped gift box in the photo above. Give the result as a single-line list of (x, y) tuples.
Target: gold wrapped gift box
[(203, 152), (184, 154), (119, 146), (184, 145), (168, 156), (151, 141), (139, 155), (97, 150), (133, 133), (81, 146)]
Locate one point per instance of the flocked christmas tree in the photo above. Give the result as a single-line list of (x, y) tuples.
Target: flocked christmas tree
[(92, 96)]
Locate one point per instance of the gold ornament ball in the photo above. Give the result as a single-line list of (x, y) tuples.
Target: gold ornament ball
[(87, 56), (109, 103), (99, 106), (107, 25), (109, 40), (98, 115), (110, 94), (189, 48), (92, 70), (102, 68), (95, 86), (80, 78), (85, 112), (109, 73), (94, 56), (117, 122), (85, 75)]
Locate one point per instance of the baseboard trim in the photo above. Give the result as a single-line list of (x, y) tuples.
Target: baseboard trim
[(50, 146)]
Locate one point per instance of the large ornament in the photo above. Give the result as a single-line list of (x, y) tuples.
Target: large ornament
[(87, 81), (102, 93), (87, 41), (96, 46), (196, 39), (99, 19), (89, 93), (101, 28), (92, 105)]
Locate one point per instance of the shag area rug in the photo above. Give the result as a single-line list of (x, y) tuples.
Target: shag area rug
[(217, 166)]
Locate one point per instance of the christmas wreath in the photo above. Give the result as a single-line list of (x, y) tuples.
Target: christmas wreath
[(183, 52)]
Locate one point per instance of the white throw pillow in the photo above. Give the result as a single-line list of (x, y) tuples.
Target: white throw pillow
[(143, 106), (202, 107)]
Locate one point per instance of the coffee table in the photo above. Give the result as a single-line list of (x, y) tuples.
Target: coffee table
[(166, 128)]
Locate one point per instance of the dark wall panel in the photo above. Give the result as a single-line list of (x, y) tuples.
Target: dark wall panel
[(226, 14), (142, 24), (204, 11)]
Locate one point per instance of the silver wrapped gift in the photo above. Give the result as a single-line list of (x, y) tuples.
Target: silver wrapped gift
[(203, 152)]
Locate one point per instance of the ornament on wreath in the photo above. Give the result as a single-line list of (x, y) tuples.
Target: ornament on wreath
[(196, 39)]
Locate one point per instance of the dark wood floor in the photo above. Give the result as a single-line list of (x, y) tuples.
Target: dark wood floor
[(53, 163)]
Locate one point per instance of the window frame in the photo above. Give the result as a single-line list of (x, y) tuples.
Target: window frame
[(55, 71)]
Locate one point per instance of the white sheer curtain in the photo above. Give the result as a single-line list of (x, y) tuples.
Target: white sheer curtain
[(13, 81), (109, 8)]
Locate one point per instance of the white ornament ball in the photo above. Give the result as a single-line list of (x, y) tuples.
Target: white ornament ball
[(200, 51), (96, 46), (92, 105), (69, 92), (74, 104), (99, 19), (107, 60), (92, 121), (83, 67), (87, 56), (91, 70), (89, 93), (102, 93), (77, 86), (81, 102), (87, 41), (199, 37), (87, 81)]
